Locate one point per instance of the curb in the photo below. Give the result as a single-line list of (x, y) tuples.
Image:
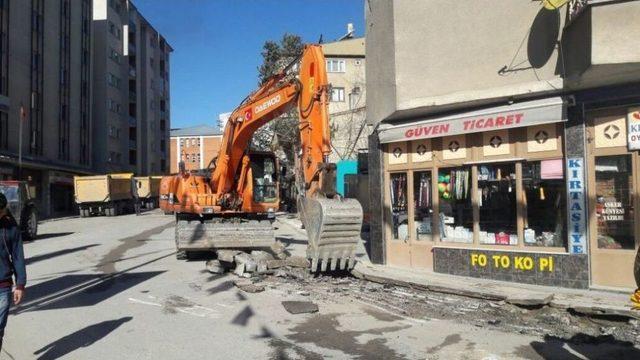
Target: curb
[(524, 298)]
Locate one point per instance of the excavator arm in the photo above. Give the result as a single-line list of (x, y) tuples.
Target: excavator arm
[(309, 93)]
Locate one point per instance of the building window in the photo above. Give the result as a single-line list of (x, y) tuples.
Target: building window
[(114, 106), (181, 142), (113, 80), (614, 202), (399, 217), (456, 211), (336, 66), (545, 207), (354, 97), (337, 94), (497, 204), (423, 206), (114, 55)]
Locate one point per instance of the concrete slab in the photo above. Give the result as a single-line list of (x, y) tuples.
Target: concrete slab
[(300, 307)]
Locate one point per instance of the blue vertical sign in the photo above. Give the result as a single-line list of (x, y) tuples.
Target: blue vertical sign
[(576, 206)]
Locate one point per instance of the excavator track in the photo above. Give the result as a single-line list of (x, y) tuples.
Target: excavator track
[(232, 233), (333, 227)]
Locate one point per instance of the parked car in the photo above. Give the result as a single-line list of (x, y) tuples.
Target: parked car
[(22, 207)]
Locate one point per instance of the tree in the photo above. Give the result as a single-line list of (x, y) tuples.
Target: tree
[(282, 133)]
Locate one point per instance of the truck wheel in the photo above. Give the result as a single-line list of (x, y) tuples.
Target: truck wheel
[(31, 226)]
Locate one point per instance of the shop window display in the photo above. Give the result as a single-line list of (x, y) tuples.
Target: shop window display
[(614, 202), (422, 205), (545, 203), (497, 204), (399, 216), (456, 212)]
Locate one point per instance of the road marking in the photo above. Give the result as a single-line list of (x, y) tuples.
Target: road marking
[(144, 302)]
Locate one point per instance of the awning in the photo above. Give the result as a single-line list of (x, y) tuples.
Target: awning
[(522, 114)]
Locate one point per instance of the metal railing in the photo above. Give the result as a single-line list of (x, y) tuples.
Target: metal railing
[(576, 7)]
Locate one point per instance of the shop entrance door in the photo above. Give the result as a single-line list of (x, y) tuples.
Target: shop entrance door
[(410, 218), (613, 197)]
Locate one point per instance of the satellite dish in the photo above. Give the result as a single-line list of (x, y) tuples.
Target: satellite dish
[(554, 4)]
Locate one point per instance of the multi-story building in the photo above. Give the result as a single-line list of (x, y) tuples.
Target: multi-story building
[(45, 69), (506, 137), (197, 146), (131, 91), (346, 72)]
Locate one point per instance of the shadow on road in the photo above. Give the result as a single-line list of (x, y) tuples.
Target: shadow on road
[(52, 235), (81, 290), (287, 240), (583, 346), (35, 259), (80, 339)]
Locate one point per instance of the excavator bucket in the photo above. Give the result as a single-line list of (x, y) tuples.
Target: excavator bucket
[(196, 235), (333, 228)]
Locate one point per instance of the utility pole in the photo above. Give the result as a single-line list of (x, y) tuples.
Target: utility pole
[(23, 116)]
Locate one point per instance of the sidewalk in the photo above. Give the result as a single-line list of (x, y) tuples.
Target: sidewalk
[(587, 302)]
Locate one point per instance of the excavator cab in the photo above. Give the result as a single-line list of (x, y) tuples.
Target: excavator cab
[(265, 178)]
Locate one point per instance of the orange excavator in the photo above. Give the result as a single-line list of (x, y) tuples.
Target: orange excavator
[(233, 206)]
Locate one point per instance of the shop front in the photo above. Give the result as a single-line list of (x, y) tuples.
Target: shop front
[(487, 194), (613, 142)]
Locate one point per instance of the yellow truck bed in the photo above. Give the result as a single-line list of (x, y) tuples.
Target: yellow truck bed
[(102, 188), (148, 186)]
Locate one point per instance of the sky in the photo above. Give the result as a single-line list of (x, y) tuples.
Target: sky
[(217, 45)]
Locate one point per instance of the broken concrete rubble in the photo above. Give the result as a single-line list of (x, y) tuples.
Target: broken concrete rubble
[(279, 250), (215, 267), (227, 255), (300, 307), (297, 261), (258, 255), (275, 264), (250, 264)]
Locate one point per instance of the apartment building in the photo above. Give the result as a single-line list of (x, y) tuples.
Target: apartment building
[(45, 69), (196, 146), (131, 91), (345, 59), (506, 137)]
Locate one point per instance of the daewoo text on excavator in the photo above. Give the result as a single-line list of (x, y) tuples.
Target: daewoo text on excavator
[(233, 206)]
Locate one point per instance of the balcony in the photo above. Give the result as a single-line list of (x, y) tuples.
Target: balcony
[(132, 121), (133, 97), (598, 43), (132, 72), (133, 144)]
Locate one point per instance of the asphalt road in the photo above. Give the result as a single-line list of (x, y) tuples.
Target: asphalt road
[(111, 288)]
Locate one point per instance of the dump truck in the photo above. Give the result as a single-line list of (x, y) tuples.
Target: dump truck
[(108, 195), (22, 206), (148, 190), (233, 205)]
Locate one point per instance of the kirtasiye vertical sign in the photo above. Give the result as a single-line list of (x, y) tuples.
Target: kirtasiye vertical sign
[(576, 206), (633, 129)]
